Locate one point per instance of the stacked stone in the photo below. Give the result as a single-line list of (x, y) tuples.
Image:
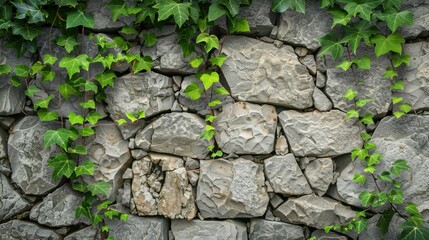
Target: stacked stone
[(286, 170)]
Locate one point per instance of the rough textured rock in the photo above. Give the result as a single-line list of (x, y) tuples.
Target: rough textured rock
[(320, 134), (29, 159), (268, 230), (110, 153), (320, 80), (260, 72), (258, 17), (405, 138), (11, 201), (3, 144), (12, 99), (321, 102), (320, 173), (303, 29), (175, 133), (166, 53), (322, 235), (6, 122), (103, 16), (137, 228), (374, 233), (88, 233), (22, 230), (230, 189), (245, 128), (282, 147), (415, 75), (210, 230), (150, 91), (420, 11), (310, 63), (58, 208), (314, 211), (285, 176)]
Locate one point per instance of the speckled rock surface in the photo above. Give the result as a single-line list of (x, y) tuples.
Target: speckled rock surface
[(88, 233), (137, 228), (3, 144), (268, 230), (320, 173), (420, 11), (11, 201), (211, 230), (17, 229)]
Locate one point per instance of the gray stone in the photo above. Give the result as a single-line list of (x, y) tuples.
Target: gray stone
[(138, 153), (137, 228), (6, 122), (124, 194), (282, 147), (310, 63), (303, 29), (321, 102), (374, 232), (322, 235), (29, 159), (132, 93), (314, 211), (88, 233), (260, 72), (268, 230), (208, 230), (59, 208), (3, 144), (167, 53), (175, 133), (258, 17), (420, 11), (130, 129), (11, 201), (103, 16), (320, 134), (110, 153), (12, 99), (245, 128), (285, 176), (5, 167), (320, 80), (192, 164), (22, 230), (319, 174), (231, 189), (275, 200), (301, 51)]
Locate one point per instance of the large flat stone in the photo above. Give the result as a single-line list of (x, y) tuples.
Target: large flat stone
[(263, 73), (320, 134), (137, 228), (268, 230), (23, 230), (11, 201), (258, 17), (320, 173), (88, 233), (231, 189), (420, 11), (208, 230)]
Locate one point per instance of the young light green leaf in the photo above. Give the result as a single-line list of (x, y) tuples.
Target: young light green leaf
[(350, 94), (363, 101), (21, 70), (209, 79), (59, 137), (345, 65), (207, 134), (396, 100), (73, 64), (78, 149), (359, 178), (104, 205), (210, 118), (67, 42), (88, 104), (93, 117), (398, 166), (367, 119), (62, 166), (391, 43), (221, 91), (215, 102), (121, 121), (395, 196), (370, 169), (90, 86), (75, 119), (398, 85), (211, 41), (390, 73), (239, 25), (218, 60), (193, 91), (366, 198), (385, 176), (43, 102), (36, 67), (405, 107), (86, 132), (31, 90), (362, 153), (87, 168), (46, 116), (370, 145), (363, 62), (218, 153), (352, 113), (365, 136), (401, 59), (143, 63), (124, 217), (131, 116), (49, 59), (106, 78), (196, 62), (141, 114)]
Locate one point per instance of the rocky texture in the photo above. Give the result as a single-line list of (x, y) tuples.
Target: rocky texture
[(88, 233), (231, 189), (110, 153), (322, 235), (284, 175), (320, 134), (3, 144), (268, 230), (282, 147), (21, 230), (166, 53), (263, 73), (310, 63), (258, 17), (320, 173), (320, 80), (245, 128), (137, 228), (132, 93), (374, 233), (11, 201), (314, 211), (29, 159), (103, 16), (420, 11), (173, 197), (210, 230), (303, 29), (321, 102), (175, 133), (12, 99)]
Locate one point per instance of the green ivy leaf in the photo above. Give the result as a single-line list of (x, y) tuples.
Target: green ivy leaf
[(93, 117), (390, 73), (218, 60), (391, 43), (128, 30), (90, 86), (149, 39), (398, 85), (79, 187), (359, 178), (355, 33), (167, 8), (43, 102), (144, 63), (86, 132), (21, 70), (207, 134), (146, 12), (401, 59), (363, 62), (49, 59), (218, 153), (352, 113), (121, 121), (118, 8), (60, 137), (359, 152), (209, 79), (360, 225), (36, 67), (363, 101), (215, 102), (396, 100), (121, 43), (239, 25), (33, 10), (394, 19), (398, 114), (411, 231), (66, 90), (233, 6), (73, 64), (392, 4), (5, 69), (385, 176), (47, 74), (100, 187), (131, 117), (221, 91), (46, 116), (16, 81), (366, 198), (96, 219), (364, 9), (79, 149), (395, 196), (384, 220), (62, 166), (374, 159), (31, 90), (88, 104), (87, 168), (339, 16), (365, 136), (411, 208), (103, 205), (111, 213), (370, 169), (350, 94), (66, 3), (405, 107), (280, 6), (215, 11), (83, 211), (196, 62), (398, 166), (79, 18), (75, 119), (345, 65), (210, 118), (124, 217), (370, 145), (211, 41), (105, 228), (367, 119), (106, 78), (331, 46), (67, 42)]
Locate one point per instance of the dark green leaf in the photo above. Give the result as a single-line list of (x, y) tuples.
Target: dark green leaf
[(167, 8), (43, 102), (62, 166), (391, 43), (355, 33), (411, 231), (100, 187), (330, 46), (67, 42), (280, 6), (66, 90), (215, 11), (398, 166), (87, 168), (46, 116), (395, 20), (80, 18)]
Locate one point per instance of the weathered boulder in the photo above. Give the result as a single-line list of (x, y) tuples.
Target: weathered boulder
[(303, 29), (322, 235), (11, 201), (245, 128), (29, 159), (208, 230), (103, 16), (175, 133), (137, 228), (320, 173), (21, 230), (263, 73), (258, 17), (268, 230), (420, 11), (88, 233), (59, 208), (231, 189), (320, 134), (285, 176), (3, 144), (321, 102), (314, 211)]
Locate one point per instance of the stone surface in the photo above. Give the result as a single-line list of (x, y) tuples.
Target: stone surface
[(6, 122), (374, 233), (320, 80), (208, 230), (59, 208), (3, 144), (22, 230), (245, 128), (420, 11), (258, 17), (88, 233), (314, 211), (268, 230), (282, 147), (320, 173), (320, 134), (321, 102), (303, 29), (137, 228), (29, 159), (110, 153), (149, 91), (310, 63), (263, 73), (285, 176), (11, 201), (231, 188), (175, 133), (12, 99), (322, 235), (103, 16)]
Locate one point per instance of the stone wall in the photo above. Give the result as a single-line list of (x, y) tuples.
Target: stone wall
[(286, 172)]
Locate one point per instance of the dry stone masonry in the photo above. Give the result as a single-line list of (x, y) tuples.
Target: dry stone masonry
[(286, 171)]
